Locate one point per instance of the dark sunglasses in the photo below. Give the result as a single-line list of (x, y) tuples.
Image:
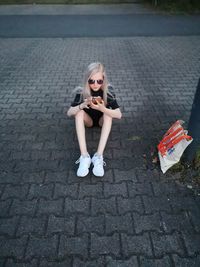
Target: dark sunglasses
[(90, 81)]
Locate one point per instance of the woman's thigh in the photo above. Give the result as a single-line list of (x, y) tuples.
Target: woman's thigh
[(104, 118), (88, 120)]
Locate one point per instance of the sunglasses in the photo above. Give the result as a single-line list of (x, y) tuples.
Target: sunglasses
[(90, 81)]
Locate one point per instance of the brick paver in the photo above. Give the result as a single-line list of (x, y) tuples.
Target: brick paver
[(134, 216)]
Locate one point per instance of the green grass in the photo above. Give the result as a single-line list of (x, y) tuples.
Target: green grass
[(189, 174), (197, 160), (176, 6), (16, 2)]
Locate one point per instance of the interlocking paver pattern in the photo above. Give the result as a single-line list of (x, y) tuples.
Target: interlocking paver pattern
[(135, 215)]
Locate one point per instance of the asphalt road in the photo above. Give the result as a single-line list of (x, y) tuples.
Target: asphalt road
[(98, 25)]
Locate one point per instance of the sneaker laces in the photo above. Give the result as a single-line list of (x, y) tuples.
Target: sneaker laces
[(79, 159), (99, 161)]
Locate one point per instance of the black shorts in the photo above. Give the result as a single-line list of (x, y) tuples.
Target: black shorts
[(95, 115)]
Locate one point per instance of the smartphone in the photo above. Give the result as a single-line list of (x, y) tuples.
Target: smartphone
[(96, 99)]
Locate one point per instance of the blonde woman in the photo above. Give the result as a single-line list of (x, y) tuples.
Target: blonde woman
[(94, 105)]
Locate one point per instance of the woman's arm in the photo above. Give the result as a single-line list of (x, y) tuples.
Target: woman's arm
[(74, 110), (113, 113)]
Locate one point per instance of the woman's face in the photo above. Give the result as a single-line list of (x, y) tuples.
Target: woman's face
[(96, 81)]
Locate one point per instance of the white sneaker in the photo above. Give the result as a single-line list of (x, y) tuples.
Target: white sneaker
[(84, 165), (98, 163)]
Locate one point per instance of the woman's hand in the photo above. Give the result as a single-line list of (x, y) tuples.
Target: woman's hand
[(85, 104), (99, 106)]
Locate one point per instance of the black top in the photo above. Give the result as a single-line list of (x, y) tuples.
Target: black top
[(111, 100)]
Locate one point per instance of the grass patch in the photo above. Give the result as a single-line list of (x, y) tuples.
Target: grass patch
[(189, 174), (176, 6), (17, 2), (197, 161)]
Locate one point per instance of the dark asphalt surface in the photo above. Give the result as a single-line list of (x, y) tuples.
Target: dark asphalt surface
[(98, 25)]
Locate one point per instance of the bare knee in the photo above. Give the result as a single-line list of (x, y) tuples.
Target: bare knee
[(79, 115), (82, 116), (106, 118)]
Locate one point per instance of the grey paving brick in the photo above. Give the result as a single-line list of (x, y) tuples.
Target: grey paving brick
[(48, 165), (164, 244), (92, 263), (55, 207), (77, 206), (72, 177), (165, 261), (33, 177), (148, 175), (56, 176), (119, 224), (73, 246), (41, 155), (7, 166), (27, 137), (60, 155), (8, 226), (124, 175), (91, 190), (122, 263), (63, 165), (192, 242), (169, 188), (31, 225), (64, 263), (42, 247), (108, 177), (64, 225), (1, 189), (41, 191), (12, 263), (5, 207), (28, 116), (105, 245), (102, 206), (135, 189), (153, 204), (52, 145), (21, 207), (183, 204), (23, 166), (195, 217), (62, 190), (185, 262), (15, 191), (20, 155), (115, 190), (178, 222), (13, 247), (147, 222), (87, 224), (130, 205), (136, 244), (33, 145)]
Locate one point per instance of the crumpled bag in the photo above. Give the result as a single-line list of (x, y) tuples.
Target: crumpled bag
[(172, 146)]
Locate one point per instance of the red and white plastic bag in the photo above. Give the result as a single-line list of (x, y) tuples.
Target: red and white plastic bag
[(172, 146)]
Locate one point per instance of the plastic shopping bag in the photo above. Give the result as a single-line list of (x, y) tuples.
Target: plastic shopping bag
[(172, 146)]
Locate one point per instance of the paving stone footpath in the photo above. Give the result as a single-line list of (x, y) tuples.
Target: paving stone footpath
[(132, 217)]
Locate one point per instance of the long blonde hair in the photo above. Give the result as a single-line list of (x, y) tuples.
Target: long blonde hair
[(91, 70)]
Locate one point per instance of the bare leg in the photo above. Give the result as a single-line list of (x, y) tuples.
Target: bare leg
[(82, 119), (105, 131)]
